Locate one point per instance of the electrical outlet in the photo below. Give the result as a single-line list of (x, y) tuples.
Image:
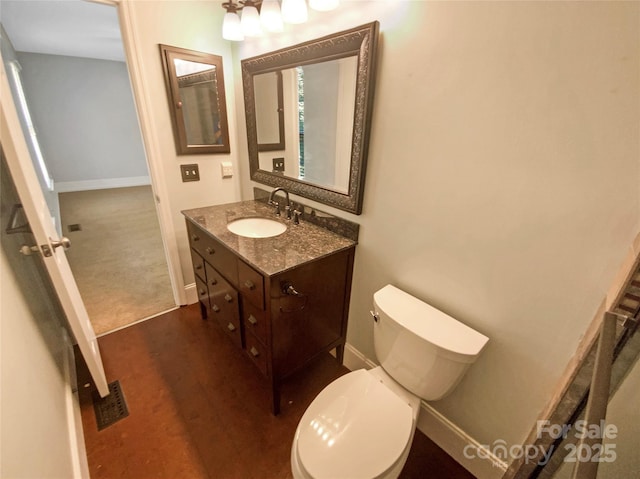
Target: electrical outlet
[(278, 165), (190, 172), (227, 169)]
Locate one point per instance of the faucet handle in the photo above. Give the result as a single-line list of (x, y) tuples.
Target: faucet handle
[(277, 206), (296, 217)]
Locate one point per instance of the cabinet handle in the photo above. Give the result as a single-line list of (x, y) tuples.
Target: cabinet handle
[(254, 352), (210, 250), (231, 327), (214, 282), (252, 319), (195, 238), (249, 284), (215, 308), (203, 292), (228, 298)]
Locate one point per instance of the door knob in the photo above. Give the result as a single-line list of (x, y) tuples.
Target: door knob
[(64, 242)]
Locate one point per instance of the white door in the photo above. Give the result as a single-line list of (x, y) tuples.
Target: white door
[(49, 245)]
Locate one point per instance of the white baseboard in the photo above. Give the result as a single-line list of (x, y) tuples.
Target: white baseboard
[(68, 186), (191, 293), (482, 463)]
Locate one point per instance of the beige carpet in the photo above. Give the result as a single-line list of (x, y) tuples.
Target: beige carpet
[(117, 256)]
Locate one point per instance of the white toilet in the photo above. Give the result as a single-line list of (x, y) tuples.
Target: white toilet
[(362, 424)]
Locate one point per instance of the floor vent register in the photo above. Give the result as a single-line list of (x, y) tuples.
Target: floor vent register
[(112, 408)]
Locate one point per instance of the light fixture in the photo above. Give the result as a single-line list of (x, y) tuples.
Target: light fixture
[(294, 11), (323, 5), (270, 16), (231, 27), (250, 19)]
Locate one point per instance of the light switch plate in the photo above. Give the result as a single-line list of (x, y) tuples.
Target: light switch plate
[(190, 172), (227, 169)]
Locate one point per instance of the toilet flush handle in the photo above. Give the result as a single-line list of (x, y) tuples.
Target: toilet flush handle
[(376, 316)]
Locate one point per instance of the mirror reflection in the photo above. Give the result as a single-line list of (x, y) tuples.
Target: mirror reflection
[(327, 94), (269, 111), (195, 87), (319, 103), (199, 102)]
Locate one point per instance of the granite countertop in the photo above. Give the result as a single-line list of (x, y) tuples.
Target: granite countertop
[(299, 244)]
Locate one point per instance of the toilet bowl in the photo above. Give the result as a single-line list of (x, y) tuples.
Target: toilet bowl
[(356, 427), (362, 424)]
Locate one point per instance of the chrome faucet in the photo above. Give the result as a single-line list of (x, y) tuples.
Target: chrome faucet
[(287, 208)]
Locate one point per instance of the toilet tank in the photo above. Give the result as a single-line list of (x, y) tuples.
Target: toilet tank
[(422, 348)]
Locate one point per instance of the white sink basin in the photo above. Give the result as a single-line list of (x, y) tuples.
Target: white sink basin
[(256, 227)]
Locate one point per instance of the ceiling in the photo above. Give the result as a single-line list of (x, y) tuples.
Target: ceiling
[(75, 28)]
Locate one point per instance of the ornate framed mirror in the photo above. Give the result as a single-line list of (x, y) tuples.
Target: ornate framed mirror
[(197, 103), (327, 89)]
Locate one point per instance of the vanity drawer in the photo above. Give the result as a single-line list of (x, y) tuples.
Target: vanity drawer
[(203, 293), (213, 252), (254, 320), (198, 265), (232, 328), (257, 352), (223, 299), (251, 284)]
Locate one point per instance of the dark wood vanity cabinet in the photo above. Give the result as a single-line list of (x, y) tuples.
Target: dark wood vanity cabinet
[(281, 321)]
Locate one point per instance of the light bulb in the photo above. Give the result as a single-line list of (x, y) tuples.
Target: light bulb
[(294, 11), (270, 16), (250, 21), (231, 28), (323, 5)]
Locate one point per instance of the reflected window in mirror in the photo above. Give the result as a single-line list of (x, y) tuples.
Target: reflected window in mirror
[(195, 88), (327, 97)]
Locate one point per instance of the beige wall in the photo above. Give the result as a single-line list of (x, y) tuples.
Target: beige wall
[(194, 25), (502, 183)]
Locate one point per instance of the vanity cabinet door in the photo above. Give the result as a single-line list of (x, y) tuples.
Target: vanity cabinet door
[(314, 320), (223, 299), (257, 352), (255, 321), (256, 331)]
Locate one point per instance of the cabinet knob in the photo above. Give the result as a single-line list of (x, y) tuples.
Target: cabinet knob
[(199, 266), (203, 292), (231, 327), (214, 282), (249, 284), (254, 352), (228, 298), (210, 250), (195, 237), (215, 308), (252, 319)]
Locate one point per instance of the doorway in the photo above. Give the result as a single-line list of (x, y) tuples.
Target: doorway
[(83, 112)]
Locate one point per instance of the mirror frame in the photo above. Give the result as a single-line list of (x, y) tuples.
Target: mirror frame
[(169, 54), (361, 42)]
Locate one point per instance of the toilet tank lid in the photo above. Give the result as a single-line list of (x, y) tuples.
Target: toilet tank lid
[(429, 323)]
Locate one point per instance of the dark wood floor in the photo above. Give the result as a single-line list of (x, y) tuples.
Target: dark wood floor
[(199, 409)]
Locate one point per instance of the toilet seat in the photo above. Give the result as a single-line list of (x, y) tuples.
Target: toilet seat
[(356, 427)]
